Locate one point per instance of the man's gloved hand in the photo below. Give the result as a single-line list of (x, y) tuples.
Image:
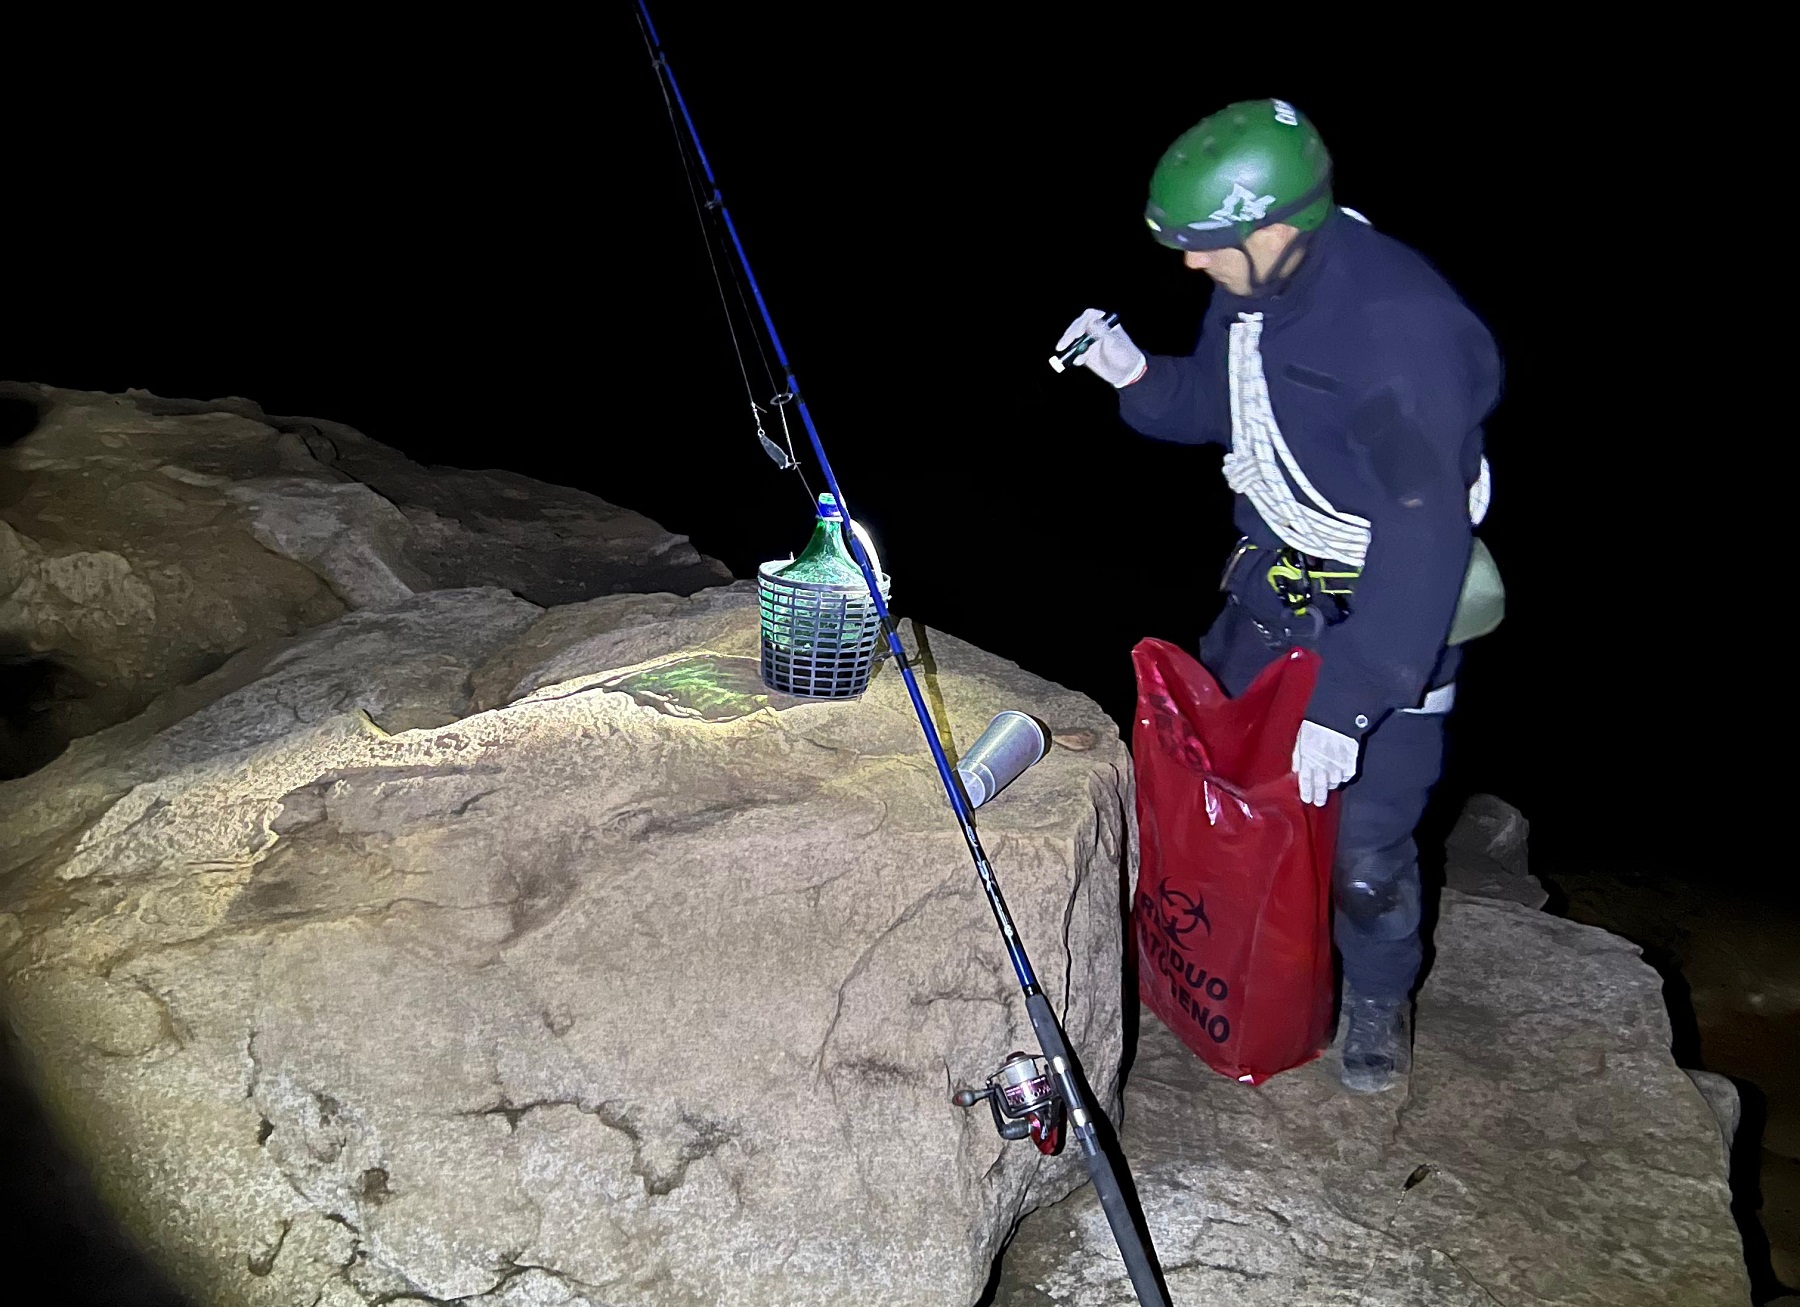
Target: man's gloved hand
[(1112, 355), (1323, 760)]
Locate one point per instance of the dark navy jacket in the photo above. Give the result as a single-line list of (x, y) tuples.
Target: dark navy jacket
[(1379, 377)]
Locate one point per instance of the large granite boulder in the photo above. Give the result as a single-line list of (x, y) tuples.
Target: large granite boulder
[(421, 915), (1545, 1150), (461, 951), (143, 541)]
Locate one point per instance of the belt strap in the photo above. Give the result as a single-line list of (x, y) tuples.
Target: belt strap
[(1437, 701)]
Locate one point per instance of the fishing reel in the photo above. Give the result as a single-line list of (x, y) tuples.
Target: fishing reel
[(1025, 1101)]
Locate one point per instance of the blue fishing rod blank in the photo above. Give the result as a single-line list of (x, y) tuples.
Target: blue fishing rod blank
[(1084, 1119)]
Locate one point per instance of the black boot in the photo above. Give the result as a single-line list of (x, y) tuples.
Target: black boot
[(1377, 1043)]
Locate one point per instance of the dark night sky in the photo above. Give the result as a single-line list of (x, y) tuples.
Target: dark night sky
[(475, 245)]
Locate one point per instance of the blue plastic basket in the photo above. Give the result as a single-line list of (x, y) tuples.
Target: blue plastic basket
[(819, 640)]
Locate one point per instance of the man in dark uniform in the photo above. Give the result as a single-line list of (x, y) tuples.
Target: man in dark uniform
[(1349, 383)]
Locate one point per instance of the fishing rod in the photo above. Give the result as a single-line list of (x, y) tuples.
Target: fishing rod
[(1020, 1094)]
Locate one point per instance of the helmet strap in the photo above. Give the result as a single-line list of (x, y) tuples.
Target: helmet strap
[(1284, 268)]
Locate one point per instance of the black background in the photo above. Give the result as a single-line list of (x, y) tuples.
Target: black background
[(474, 243)]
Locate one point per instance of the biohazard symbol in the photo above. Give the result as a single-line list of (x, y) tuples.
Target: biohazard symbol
[(1242, 205), (1178, 912)]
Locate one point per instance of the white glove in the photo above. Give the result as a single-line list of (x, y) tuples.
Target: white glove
[(1112, 355), (1323, 760)]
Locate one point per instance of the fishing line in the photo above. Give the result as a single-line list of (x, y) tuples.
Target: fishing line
[(1014, 1080), (780, 453)]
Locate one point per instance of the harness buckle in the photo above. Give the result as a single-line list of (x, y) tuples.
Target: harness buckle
[(1301, 583), (1291, 581)]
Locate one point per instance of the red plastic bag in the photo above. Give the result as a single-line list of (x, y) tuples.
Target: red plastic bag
[(1232, 912)]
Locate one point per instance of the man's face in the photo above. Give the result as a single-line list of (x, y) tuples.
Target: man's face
[(1231, 270)]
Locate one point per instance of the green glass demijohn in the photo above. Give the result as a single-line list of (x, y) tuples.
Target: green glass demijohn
[(826, 560), (820, 625)]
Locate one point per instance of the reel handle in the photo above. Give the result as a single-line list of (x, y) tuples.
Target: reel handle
[(1007, 1126)]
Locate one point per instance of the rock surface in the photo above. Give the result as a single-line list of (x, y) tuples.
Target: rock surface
[(1727, 1108), (143, 541), (639, 987), (1726, 948), (1545, 1150), (388, 937), (405, 667), (1487, 853)]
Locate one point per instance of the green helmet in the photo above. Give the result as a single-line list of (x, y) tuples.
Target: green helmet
[(1244, 167)]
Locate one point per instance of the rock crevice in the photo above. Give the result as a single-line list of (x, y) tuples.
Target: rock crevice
[(573, 982)]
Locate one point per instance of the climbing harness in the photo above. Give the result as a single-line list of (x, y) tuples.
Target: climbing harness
[(1058, 1080), (1300, 580), (1260, 466)]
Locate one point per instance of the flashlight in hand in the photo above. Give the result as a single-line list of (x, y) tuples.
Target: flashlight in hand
[(1079, 346)]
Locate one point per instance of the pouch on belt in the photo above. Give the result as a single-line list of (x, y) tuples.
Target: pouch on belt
[(1482, 604)]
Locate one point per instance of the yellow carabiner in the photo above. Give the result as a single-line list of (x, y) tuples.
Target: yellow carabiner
[(1288, 581)]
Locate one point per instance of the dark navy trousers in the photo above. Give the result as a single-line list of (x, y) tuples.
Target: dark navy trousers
[(1375, 877)]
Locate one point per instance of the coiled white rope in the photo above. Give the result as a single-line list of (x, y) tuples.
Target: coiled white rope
[(1261, 467)]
